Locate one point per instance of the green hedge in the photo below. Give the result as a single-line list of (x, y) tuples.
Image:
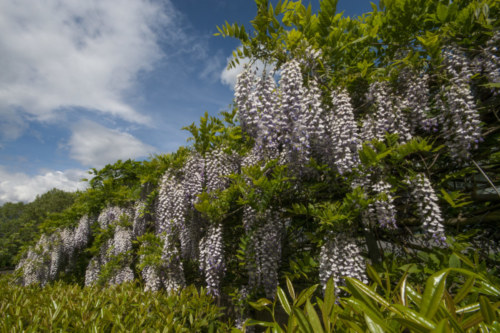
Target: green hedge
[(61, 307)]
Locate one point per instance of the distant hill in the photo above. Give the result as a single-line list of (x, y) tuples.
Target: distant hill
[(19, 222)]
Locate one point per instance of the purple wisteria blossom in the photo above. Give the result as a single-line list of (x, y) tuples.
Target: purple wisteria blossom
[(266, 232), (416, 101), (245, 101), (341, 256), (212, 262), (382, 212), (428, 208), (344, 132), (459, 116)]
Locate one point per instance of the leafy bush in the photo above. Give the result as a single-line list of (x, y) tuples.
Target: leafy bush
[(452, 299), (126, 307)]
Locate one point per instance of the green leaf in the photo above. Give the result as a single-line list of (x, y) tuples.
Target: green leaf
[(261, 304), (305, 295), (454, 261), (448, 198), (442, 12), (313, 318), (414, 317), (289, 284), (465, 259), (442, 327), (402, 289), (357, 288), (372, 273), (488, 289), (253, 322), (469, 308), (489, 313), (302, 320), (372, 326), (284, 301), (434, 291), (472, 320), (375, 316), (329, 300), (413, 295), (492, 85), (464, 291)]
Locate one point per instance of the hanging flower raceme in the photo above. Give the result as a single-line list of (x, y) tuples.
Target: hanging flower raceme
[(317, 122), (218, 165), (151, 278), (140, 221), (212, 258), (294, 132), (269, 124), (245, 101), (415, 100), (310, 58), (428, 208), (341, 256), (266, 232), (489, 60), (112, 248), (122, 245), (82, 233), (458, 112), (344, 132), (172, 270), (193, 177), (382, 212), (388, 117)]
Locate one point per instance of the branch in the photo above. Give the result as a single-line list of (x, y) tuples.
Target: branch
[(486, 176), (488, 217)]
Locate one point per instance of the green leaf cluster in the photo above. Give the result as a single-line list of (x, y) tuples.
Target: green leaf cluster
[(71, 308), (468, 304)]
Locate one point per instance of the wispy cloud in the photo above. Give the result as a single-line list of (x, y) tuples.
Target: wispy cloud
[(94, 145), (16, 186), (212, 67), (229, 76), (88, 54)]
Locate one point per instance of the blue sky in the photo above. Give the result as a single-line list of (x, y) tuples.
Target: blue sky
[(85, 83)]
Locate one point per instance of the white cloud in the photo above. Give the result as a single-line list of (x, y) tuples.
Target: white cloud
[(229, 76), (59, 54), (94, 145), (212, 67), (18, 186)]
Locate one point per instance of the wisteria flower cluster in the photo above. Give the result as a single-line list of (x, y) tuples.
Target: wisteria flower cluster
[(288, 121), (382, 212), (388, 116), (274, 116), (459, 116), (428, 208), (212, 258), (416, 101), (117, 246), (489, 59), (266, 232), (341, 256), (344, 132), (53, 252), (183, 225)]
